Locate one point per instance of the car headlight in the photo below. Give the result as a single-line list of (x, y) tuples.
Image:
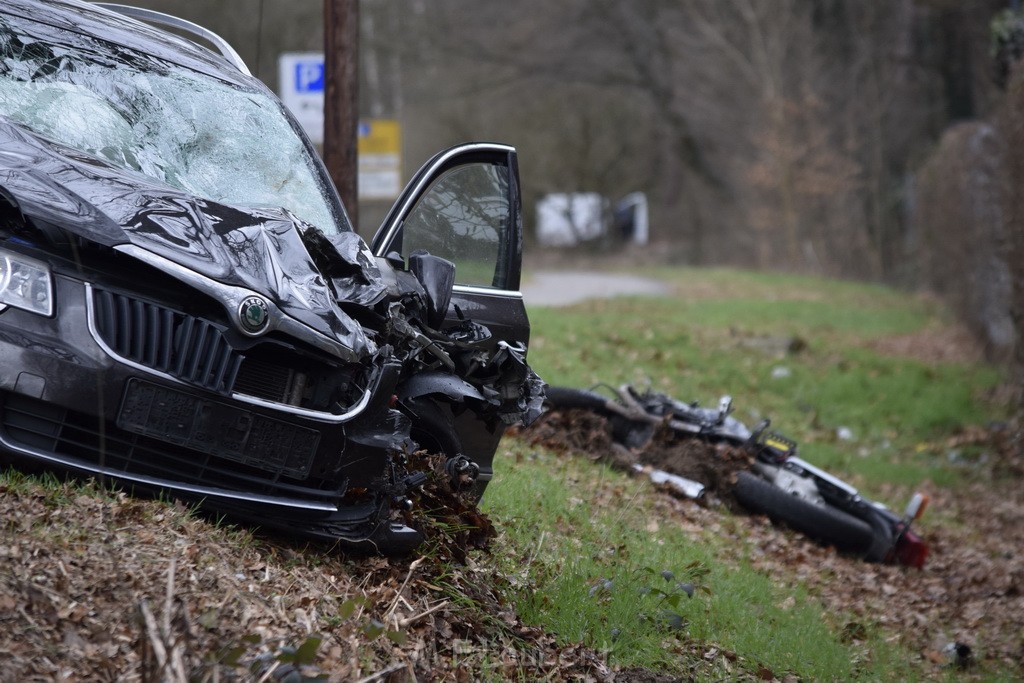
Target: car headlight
[(25, 283)]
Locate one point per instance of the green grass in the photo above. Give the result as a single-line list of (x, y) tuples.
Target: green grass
[(592, 572), (700, 349), (571, 526)]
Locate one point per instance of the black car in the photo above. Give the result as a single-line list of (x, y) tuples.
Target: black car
[(185, 307)]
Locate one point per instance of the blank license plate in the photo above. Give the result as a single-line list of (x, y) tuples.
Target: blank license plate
[(218, 429)]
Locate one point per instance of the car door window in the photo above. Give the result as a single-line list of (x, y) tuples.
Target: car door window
[(464, 216)]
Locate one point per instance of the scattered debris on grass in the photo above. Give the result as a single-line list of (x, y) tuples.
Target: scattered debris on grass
[(98, 585), (582, 431), (449, 520), (970, 593)]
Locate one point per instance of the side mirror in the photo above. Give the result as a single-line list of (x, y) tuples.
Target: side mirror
[(437, 275)]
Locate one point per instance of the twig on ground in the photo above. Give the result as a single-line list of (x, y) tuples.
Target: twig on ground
[(409, 621), (382, 674), (412, 567)]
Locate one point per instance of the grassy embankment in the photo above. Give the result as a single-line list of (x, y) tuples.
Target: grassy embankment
[(589, 554), (587, 546)]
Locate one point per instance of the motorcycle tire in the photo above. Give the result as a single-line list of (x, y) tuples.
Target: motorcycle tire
[(629, 433), (821, 522), (883, 539), (565, 398)]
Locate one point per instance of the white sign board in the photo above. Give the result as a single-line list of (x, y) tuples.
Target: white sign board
[(301, 84), (566, 219)]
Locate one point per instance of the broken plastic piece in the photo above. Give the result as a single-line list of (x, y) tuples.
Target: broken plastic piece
[(915, 508), (462, 471), (687, 487)]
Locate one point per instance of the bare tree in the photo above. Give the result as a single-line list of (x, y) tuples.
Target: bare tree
[(780, 133)]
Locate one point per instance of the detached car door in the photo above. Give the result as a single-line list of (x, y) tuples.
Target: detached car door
[(464, 206)]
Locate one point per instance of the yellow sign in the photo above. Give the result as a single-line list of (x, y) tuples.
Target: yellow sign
[(379, 149), (379, 136)]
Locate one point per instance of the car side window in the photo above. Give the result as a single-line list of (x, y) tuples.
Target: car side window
[(464, 217)]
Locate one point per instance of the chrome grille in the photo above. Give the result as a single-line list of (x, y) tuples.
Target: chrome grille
[(198, 351), (169, 341)]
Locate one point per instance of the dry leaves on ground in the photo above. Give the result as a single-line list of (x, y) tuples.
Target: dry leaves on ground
[(101, 586)]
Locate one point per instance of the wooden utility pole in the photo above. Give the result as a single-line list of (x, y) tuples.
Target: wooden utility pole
[(341, 99)]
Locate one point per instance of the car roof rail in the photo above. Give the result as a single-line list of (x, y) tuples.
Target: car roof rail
[(154, 17)]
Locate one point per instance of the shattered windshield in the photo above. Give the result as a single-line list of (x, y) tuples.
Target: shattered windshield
[(200, 135)]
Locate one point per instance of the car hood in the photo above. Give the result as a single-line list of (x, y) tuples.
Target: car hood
[(258, 249)]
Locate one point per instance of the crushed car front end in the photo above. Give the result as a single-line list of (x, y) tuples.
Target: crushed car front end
[(183, 305), (117, 367), (125, 381)]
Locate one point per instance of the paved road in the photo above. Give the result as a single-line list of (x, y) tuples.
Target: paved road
[(563, 288)]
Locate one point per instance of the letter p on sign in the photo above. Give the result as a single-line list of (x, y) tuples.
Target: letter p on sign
[(309, 77)]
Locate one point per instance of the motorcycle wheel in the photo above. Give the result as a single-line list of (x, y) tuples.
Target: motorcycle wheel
[(821, 522), (564, 398), (883, 538)]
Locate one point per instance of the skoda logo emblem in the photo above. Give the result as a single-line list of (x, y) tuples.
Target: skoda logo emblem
[(254, 314)]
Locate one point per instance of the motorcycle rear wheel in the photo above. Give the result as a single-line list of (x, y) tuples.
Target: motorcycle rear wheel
[(821, 522)]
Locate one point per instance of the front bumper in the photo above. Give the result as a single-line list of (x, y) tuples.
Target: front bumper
[(66, 401)]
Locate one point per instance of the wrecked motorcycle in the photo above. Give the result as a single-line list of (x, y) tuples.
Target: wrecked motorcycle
[(779, 484)]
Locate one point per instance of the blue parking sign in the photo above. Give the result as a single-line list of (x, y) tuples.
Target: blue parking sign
[(309, 77)]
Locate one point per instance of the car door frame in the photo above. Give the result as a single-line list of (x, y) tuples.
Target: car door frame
[(500, 309)]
